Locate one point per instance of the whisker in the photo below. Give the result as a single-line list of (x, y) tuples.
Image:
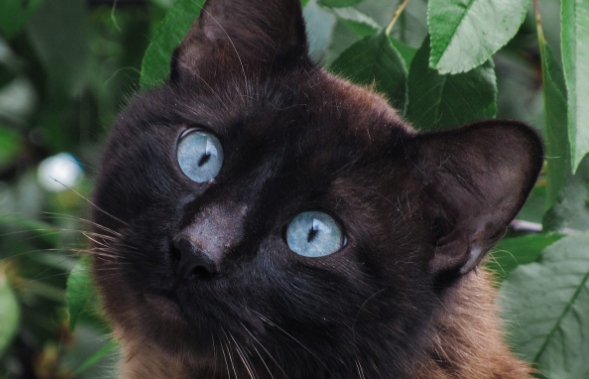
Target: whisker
[(83, 220), (229, 354), (362, 307), (91, 203), (360, 369), (268, 321), (214, 356), (225, 358), (29, 231), (259, 355), (243, 358)]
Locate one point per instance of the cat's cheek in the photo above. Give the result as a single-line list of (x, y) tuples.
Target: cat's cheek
[(163, 308)]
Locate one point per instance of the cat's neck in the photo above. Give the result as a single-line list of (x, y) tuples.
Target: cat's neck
[(466, 342)]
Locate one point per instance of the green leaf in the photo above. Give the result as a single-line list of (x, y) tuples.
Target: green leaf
[(465, 33), (11, 144), (59, 33), (102, 353), (360, 23), (512, 252), (571, 209), (168, 35), (535, 206), (7, 75), (338, 3), (320, 25), (548, 309), (81, 293), (555, 108), (575, 56), (14, 15), (407, 52), (374, 60), (9, 314), (44, 231), (441, 101), (304, 3)]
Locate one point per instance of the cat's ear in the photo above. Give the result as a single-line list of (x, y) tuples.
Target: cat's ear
[(247, 32), (475, 180)]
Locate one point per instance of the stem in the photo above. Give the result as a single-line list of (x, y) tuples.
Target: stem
[(396, 15), (541, 37), (112, 15)]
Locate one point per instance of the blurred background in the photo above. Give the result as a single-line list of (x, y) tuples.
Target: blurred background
[(66, 68)]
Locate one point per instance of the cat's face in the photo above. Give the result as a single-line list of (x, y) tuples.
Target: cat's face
[(258, 201)]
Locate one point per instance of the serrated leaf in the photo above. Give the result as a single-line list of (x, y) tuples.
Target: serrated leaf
[(512, 252), (465, 33), (81, 294), (555, 110), (338, 3), (360, 23), (168, 35), (14, 15), (9, 314), (374, 60), (549, 309), (441, 101), (407, 52), (575, 55)]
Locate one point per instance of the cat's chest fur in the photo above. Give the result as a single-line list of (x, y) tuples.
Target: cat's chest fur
[(265, 219), (465, 343)]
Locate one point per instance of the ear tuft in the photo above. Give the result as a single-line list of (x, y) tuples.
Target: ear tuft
[(476, 179)]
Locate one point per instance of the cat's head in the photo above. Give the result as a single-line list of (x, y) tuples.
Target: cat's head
[(255, 200)]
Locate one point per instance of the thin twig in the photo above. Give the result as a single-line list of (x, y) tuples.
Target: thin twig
[(541, 37), (396, 16)]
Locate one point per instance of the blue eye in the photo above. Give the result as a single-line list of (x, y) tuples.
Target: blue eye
[(314, 234), (200, 156)]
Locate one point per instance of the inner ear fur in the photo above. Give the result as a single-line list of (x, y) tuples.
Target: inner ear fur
[(244, 33), (475, 180)]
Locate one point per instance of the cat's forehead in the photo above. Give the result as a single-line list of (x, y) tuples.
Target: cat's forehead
[(297, 102)]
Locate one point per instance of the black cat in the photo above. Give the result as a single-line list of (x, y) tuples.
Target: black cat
[(266, 219)]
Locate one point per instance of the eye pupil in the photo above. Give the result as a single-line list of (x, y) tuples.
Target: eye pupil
[(200, 155), (204, 159), (312, 234)]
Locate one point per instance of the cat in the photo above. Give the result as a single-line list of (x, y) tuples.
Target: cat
[(266, 219)]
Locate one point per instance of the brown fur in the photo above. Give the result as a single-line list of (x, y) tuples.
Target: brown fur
[(467, 343)]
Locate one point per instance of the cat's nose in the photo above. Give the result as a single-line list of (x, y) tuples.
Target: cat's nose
[(193, 262)]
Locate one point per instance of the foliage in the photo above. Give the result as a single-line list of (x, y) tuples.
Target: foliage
[(67, 67), (575, 53), (375, 59)]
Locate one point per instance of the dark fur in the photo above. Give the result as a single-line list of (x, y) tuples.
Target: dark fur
[(414, 206)]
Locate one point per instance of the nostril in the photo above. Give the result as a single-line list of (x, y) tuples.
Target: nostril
[(191, 261), (201, 273)]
